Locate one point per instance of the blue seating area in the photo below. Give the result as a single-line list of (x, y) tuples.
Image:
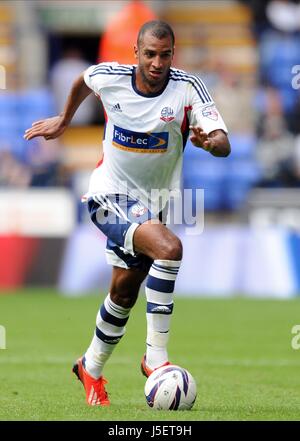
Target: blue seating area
[(279, 53), (17, 112), (226, 181)]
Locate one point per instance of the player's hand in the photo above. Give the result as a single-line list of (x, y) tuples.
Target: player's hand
[(201, 139), (49, 128)]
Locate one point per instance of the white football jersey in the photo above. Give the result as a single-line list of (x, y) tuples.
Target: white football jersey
[(145, 135)]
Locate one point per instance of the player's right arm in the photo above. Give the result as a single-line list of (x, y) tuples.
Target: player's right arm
[(51, 128)]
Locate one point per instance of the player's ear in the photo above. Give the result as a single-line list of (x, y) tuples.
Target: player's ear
[(136, 49)]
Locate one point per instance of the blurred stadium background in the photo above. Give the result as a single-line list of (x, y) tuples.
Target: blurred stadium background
[(247, 52)]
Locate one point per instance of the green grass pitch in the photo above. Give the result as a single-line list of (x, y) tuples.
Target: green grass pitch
[(238, 350)]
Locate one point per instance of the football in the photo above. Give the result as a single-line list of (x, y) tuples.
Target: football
[(170, 387)]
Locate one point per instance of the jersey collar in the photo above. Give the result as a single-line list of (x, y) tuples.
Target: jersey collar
[(146, 95)]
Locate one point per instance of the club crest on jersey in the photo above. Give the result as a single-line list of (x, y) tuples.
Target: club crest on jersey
[(138, 210), (137, 142), (210, 112), (167, 114)]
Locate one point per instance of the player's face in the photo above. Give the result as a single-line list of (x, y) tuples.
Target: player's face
[(154, 60)]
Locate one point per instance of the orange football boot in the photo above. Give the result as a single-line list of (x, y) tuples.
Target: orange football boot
[(96, 394), (146, 370)]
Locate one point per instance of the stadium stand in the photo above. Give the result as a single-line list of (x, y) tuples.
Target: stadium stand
[(8, 44), (226, 181)]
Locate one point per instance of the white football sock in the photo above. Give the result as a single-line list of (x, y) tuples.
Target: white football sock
[(110, 328), (159, 293)]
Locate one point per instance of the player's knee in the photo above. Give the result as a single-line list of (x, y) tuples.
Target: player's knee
[(171, 250)]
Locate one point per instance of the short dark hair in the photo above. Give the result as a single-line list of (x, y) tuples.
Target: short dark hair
[(158, 28)]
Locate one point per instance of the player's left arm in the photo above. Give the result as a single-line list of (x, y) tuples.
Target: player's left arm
[(215, 142)]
